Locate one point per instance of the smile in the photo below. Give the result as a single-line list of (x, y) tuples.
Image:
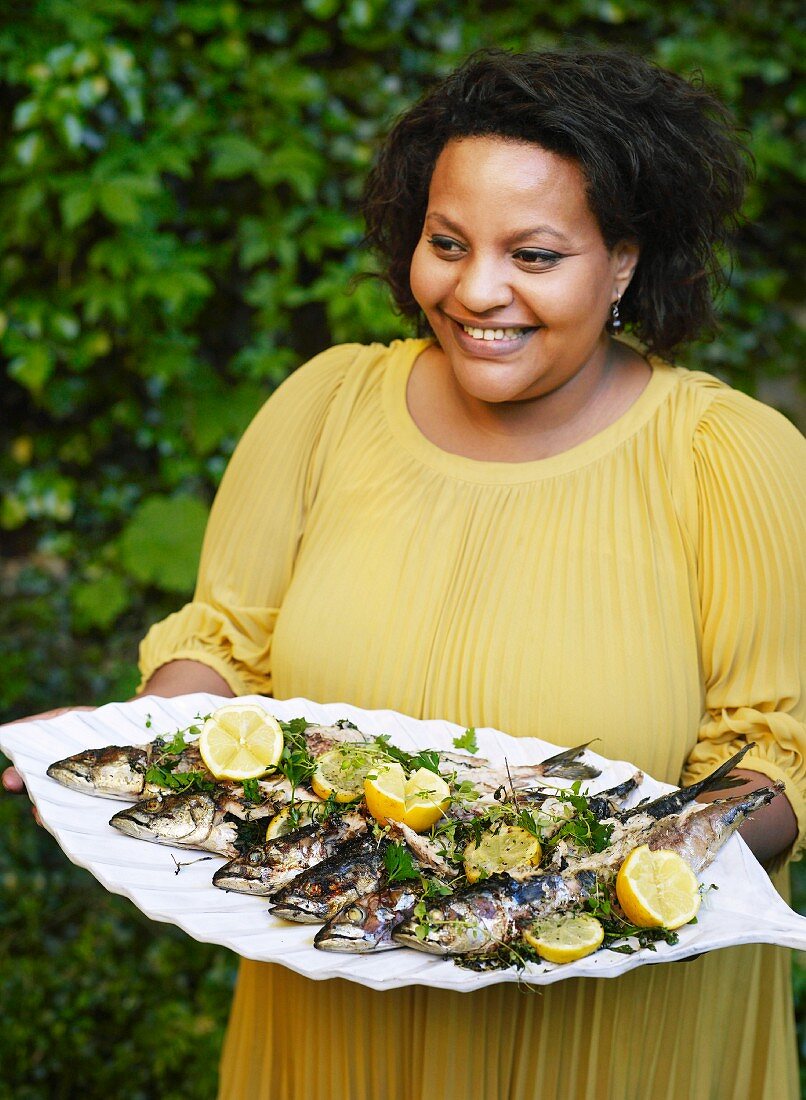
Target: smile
[(497, 334)]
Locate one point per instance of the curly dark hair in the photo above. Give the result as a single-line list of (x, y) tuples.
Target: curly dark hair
[(663, 161)]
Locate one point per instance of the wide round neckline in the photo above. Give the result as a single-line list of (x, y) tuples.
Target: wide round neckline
[(407, 432)]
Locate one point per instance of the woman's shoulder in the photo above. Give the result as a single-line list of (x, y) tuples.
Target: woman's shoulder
[(343, 362), (719, 415)]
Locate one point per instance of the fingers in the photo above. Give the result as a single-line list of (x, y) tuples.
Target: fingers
[(12, 781)]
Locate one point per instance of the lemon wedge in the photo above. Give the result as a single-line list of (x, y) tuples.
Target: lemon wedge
[(341, 773), (290, 818), (506, 848), (657, 889), (418, 800), (241, 741), (565, 937)]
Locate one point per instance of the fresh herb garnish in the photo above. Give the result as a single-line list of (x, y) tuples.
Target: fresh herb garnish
[(251, 790), (583, 828), (296, 763), (163, 775), (399, 863), (249, 832), (467, 740)]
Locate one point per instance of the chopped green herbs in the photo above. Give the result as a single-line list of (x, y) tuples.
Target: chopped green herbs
[(467, 740)]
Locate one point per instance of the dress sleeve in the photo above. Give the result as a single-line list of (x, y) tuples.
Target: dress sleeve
[(749, 466), (253, 534)]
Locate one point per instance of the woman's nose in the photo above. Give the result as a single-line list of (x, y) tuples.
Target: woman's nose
[(482, 286)]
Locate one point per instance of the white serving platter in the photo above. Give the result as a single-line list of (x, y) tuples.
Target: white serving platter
[(744, 909)]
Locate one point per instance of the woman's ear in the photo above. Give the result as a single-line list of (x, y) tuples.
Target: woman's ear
[(625, 257)]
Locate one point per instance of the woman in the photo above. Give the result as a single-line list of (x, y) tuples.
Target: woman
[(522, 521)]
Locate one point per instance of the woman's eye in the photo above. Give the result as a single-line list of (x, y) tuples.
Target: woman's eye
[(445, 244), (537, 257)]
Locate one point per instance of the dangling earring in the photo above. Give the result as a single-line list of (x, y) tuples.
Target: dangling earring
[(615, 320)]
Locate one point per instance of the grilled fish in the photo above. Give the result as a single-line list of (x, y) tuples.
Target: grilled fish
[(488, 778), (320, 892), (268, 867), (476, 920), (211, 821)]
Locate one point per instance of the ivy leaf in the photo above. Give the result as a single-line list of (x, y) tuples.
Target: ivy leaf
[(160, 545)]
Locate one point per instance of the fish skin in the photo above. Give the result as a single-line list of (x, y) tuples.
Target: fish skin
[(192, 819), (268, 867), (367, 923), (320, 892), (477, 919), (698, 836)]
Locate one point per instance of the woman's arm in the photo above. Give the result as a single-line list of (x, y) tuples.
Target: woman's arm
[(772, 829), (185, 677)]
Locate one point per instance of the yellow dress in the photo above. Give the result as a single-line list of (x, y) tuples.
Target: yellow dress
[(641, 588)]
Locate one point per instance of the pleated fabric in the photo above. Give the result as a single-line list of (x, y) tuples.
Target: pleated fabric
[(641, 588)]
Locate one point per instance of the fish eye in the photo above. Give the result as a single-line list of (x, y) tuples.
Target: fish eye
[(435, 915), (355, 913), (255, 856)]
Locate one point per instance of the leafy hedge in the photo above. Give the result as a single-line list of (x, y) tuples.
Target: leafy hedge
[(179, 186)]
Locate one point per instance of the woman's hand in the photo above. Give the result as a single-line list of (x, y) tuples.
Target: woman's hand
[(11, 778)]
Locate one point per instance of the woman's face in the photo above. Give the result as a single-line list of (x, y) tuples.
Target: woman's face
[(512, 271)]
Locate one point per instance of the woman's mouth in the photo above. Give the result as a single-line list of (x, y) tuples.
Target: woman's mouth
[(497, 334), (491, 340)]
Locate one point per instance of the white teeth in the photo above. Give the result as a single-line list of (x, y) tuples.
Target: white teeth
[(494, 333)]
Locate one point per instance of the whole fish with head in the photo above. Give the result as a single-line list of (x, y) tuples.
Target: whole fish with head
[(268, 867), (212, 821), (119, 771), (317, 894)]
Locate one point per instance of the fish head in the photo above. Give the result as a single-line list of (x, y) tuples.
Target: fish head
[(250, 873), (184, 819), (454, 925), (368, 923), (117, 771)]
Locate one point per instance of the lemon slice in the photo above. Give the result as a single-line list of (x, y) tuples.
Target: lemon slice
[(341, 773), (290, 818), (241, 741), (507, 848), (564, 938), (418, 801), (657, 889)]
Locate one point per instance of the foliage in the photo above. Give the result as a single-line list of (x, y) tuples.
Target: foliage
[(105, 1002), (179, 220)]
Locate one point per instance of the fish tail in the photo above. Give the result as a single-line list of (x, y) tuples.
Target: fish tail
[(674, 801), (717, 780), (566, 764)]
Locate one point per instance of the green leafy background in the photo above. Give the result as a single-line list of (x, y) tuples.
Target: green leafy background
[(178, 213)]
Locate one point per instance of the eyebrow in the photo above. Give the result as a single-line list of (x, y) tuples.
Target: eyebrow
[(526, 234)]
